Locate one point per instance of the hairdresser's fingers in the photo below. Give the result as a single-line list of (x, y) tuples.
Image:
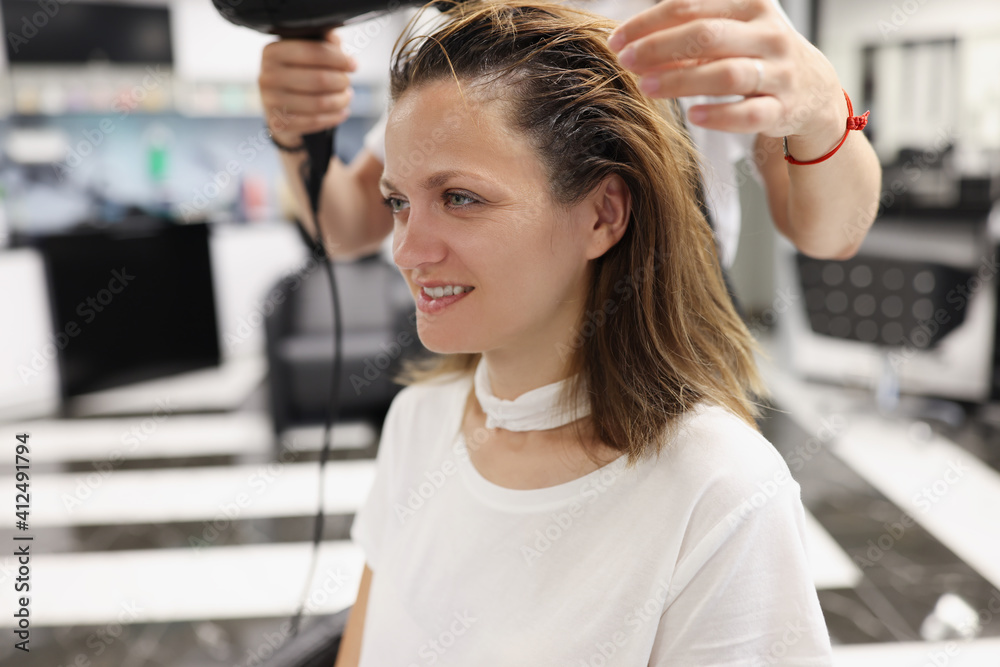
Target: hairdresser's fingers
[(729, 76), (752, 115), (304, 86), (298, 103), (717, 38), (308, 53), (302, 110), (670, 13), (309, 80), (290, 115), (289, 128)]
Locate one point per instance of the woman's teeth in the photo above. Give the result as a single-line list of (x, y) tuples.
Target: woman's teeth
[(447, 290)]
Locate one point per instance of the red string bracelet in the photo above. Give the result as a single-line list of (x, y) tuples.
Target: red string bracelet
[(853, 123)]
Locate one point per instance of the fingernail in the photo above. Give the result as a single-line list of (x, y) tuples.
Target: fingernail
[(649, 84), (627, 57), (616, 41), (354, 64), (697, 115)]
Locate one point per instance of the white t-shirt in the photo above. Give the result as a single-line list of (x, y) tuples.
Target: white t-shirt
[(696, 558), (721, 151)]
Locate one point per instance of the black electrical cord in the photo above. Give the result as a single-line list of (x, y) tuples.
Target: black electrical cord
[(320, 149)]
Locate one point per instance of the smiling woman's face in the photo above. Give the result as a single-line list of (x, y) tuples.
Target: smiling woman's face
[(472, 208)]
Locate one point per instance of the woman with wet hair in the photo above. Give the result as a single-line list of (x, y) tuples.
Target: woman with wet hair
[(576, 477)]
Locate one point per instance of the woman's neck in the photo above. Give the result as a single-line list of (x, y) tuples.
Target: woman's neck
[(532, 459), (513, 375)]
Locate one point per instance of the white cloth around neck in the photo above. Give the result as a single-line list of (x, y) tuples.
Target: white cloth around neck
[(535, 410)]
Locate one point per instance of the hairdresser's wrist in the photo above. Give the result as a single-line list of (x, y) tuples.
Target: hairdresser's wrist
[(287, 142), (827, 128), (277, 128)]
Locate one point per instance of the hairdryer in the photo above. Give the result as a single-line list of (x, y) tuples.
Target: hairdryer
[(311, 19)]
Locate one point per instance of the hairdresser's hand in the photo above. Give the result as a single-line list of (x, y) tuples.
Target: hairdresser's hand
[(304, 86), (735, 47)]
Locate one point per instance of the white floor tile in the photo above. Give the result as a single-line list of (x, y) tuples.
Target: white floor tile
[(154, 586), (974, 653), (831, 566), (948, 491), (175, 436), (193, 494)]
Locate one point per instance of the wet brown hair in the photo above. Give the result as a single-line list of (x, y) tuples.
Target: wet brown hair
[(658, 333)]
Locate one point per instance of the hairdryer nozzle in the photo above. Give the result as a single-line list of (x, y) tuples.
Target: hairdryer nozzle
[(301, 18)]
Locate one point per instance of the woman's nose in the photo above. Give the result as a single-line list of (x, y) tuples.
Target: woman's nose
[(418, 239)]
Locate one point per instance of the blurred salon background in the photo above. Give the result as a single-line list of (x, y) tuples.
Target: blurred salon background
[(166, 341)]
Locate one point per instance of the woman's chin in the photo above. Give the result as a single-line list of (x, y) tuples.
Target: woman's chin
[(449, 349), (445, 342)]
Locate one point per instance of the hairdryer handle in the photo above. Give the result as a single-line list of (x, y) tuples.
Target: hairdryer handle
[(319, 145), (320, 148)]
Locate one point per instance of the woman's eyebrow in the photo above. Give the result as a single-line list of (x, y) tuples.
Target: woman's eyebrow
[(435, 180)]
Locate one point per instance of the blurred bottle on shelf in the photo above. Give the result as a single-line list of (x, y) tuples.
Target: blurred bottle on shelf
[(158, 139)]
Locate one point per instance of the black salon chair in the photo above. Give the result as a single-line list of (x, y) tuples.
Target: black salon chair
[(378, 333), (889, 303), (882, 301)]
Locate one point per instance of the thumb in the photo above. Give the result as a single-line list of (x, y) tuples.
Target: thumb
[(332, 36)]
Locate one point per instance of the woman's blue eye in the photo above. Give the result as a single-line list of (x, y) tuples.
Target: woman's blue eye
[(396, 205), (449, 195), (390, 203)]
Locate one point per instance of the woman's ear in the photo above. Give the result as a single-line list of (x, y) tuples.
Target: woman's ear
[(609, 207)]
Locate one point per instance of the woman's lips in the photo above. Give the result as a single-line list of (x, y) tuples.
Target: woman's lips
[(428, 305)]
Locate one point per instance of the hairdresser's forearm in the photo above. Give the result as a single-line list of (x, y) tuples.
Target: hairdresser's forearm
[(354, 223), (824, 209)]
